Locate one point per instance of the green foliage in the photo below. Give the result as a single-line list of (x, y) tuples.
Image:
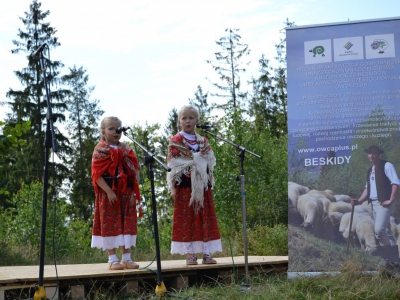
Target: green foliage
[(79, 233), (145, 247), (82, 123), (66, 240), (170, 128), (264, 240), (265, 177), (24, 225), (268, 104), (200, 101), (11, 138), (149, 138)]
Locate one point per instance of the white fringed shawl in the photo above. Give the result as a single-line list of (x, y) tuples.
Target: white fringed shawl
[(182, 160)]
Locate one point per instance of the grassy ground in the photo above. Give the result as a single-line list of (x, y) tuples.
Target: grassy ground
[(311, 254), (349, 284)]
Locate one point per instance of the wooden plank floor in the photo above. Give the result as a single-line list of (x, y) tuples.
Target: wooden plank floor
[(22, 274), (19, 277)]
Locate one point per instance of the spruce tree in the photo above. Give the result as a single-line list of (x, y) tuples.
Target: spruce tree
[(268, 104), (229, 66), (83, 120), (171, 127), (200, 102), (30, 102)]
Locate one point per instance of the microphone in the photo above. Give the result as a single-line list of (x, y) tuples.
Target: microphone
[(121, 128), (36, 54), (204, 126)]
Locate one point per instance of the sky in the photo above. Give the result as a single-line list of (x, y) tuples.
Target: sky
[(145, 58)]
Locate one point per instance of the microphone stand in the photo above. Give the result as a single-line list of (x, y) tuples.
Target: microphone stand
[(160, 290), (240, 178), (49, 142)]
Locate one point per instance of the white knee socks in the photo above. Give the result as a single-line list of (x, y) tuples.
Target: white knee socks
[(126, 257), (113, 258)]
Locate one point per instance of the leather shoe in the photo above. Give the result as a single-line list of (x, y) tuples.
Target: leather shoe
[(130, 265), (115, 266)]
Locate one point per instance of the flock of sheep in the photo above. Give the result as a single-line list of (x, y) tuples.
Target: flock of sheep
[(328, 216)]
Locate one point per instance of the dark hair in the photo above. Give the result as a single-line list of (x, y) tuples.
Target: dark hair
[(374, 149)]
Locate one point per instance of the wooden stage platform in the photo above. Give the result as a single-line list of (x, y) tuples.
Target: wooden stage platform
[(76, 281)]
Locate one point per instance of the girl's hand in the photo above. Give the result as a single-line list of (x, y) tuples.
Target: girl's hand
[(173, 191), (132, 200), (112, 197)]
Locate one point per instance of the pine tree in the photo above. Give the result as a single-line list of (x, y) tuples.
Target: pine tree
[(200, 102), (171, 127), (268, 104), (30, 103), (83, 119), (228, 66)]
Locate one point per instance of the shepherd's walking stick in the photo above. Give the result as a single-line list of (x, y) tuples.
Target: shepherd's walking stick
[(351, 224)]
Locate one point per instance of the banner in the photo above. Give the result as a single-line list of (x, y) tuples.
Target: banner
[(343, 98)]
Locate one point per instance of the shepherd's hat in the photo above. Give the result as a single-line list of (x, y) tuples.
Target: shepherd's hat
[(374, 149)]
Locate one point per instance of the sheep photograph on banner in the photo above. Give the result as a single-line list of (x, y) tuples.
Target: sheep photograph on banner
[(344, 145)]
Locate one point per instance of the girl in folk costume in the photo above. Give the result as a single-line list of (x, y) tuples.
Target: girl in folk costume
[(192, 161), (115, 177)]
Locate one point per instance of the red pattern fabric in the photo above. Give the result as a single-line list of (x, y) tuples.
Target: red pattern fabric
[(178, 147), (108, 159), (114, 219), (189, 226), (120, 217)]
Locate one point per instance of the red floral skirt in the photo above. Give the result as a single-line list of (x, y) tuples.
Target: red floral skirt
[(196, 229), (116, 223)]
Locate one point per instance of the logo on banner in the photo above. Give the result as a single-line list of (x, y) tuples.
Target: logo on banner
[(348, 45), (380, 46), (348, 48), (317, 52)]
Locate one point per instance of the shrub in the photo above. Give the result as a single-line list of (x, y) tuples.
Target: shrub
[(265, 241), (25, 222)]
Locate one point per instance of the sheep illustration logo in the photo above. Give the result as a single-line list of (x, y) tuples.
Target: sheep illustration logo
[(318, 50), (380, 45)]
